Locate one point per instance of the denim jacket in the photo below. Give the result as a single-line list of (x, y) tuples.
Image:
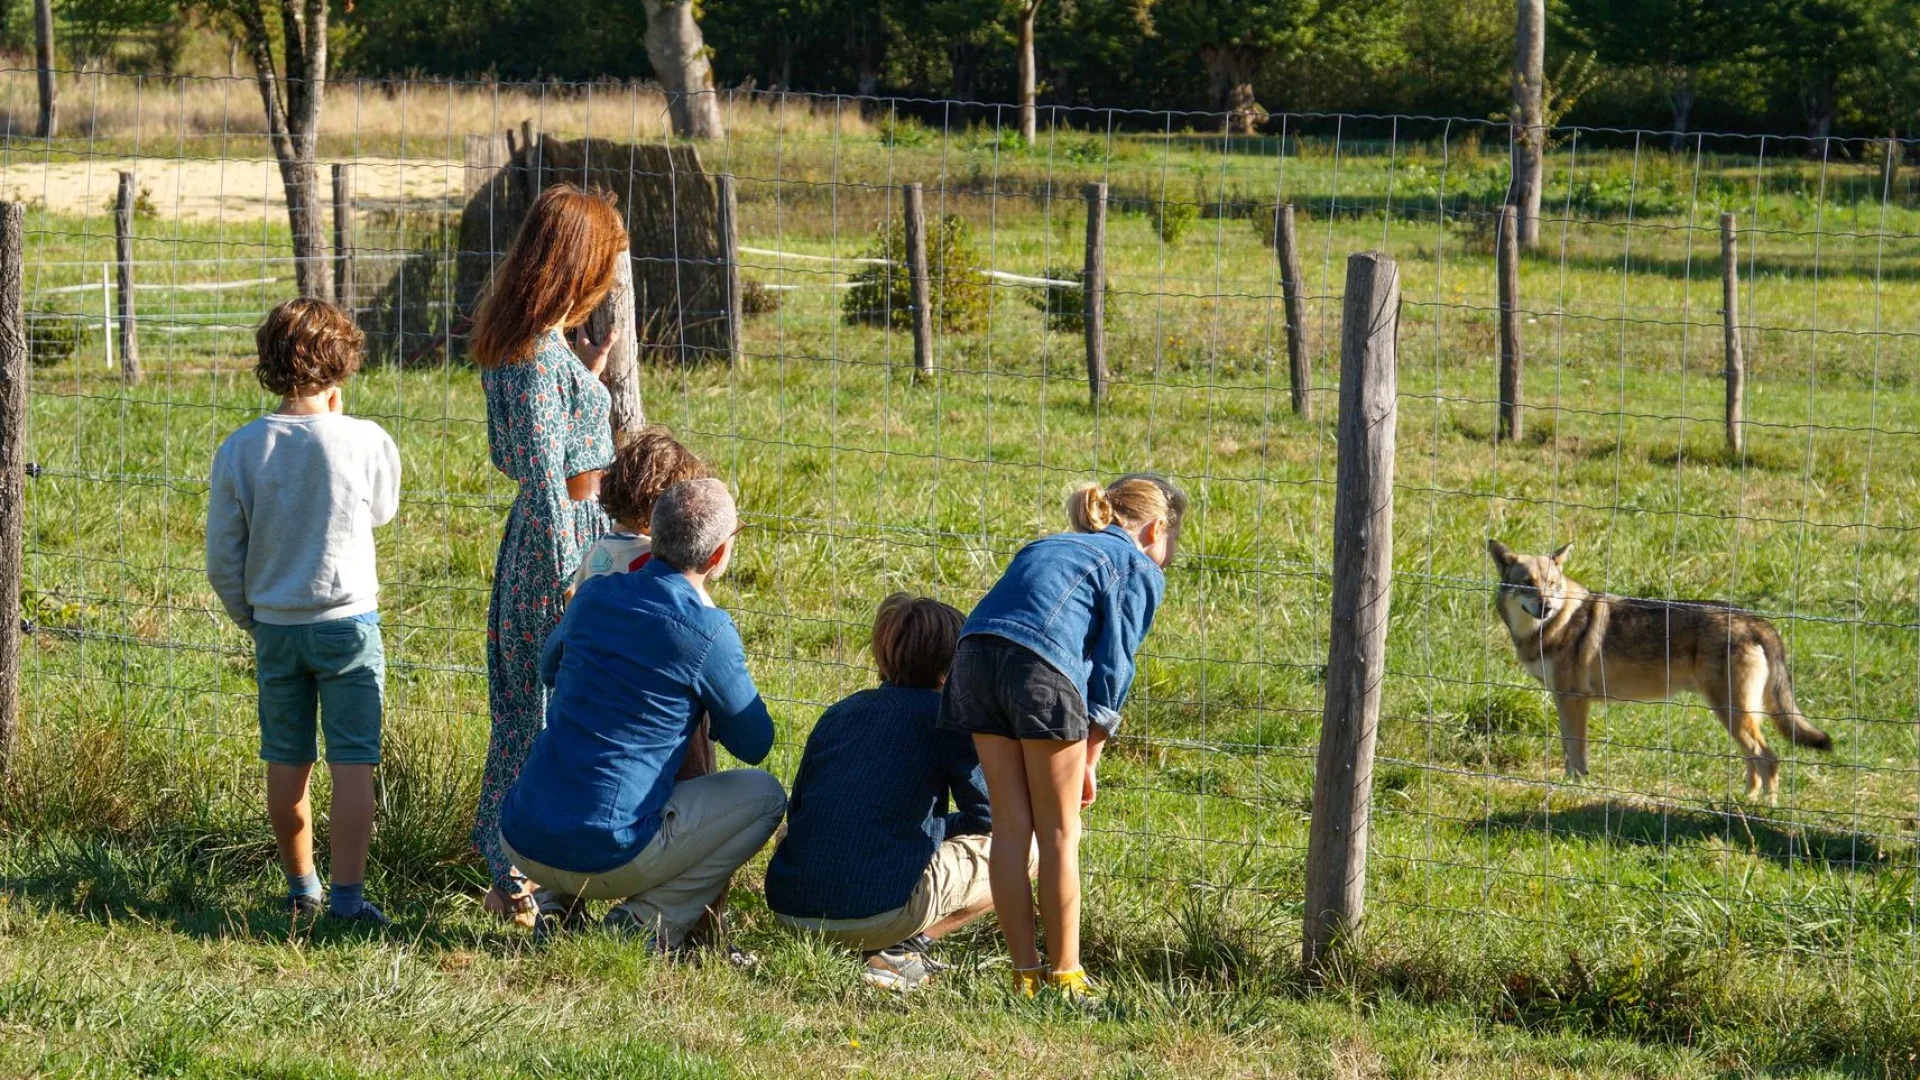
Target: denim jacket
[(634, 662), (1083, 602)]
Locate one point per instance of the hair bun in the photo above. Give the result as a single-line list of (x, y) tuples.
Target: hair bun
[(1089, 509)]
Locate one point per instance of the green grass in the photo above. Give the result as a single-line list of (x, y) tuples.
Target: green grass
[(1645, 922)]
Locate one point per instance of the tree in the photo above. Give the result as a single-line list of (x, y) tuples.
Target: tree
[(43, 58), (1810, 46), (1233, 39), (1026, 11), (292, 105), (1692, 35), (680, 62)]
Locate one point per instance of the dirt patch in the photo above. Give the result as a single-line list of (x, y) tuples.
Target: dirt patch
[(212, 190)]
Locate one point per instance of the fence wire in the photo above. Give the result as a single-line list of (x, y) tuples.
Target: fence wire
[(864, 479)]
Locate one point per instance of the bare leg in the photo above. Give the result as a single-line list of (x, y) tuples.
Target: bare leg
[(291, 812), (1056, 778), (1005, 767), (957, 920), (1573, 710), (352, 822)]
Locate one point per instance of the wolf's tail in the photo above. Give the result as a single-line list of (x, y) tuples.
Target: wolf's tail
[(1787, 717)]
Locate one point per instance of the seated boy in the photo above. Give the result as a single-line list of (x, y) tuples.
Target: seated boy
[(637, 658), (872, 857), (292, 503)]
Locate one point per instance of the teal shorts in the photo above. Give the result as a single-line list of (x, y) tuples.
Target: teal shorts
[(331, 671)]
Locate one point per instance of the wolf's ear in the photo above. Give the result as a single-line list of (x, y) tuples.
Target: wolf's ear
[(1560, 556), (1502, 554)]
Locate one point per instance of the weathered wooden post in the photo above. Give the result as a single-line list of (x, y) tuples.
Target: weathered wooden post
[(1093, 285), (123, 249), (343, 238), (616, 315), (13, 469), (1529, 115), (43, 60), (1736, 357), (918, 283), (1511, 360), (1286, 247), (1362, 586), (729, 224)]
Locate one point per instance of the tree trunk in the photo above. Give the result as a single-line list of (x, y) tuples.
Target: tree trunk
[(679, 56), (293, 126), (1818, 101), (1029, 124), (1682, 98), (43, 58), (1529, 108), (1231, 68)]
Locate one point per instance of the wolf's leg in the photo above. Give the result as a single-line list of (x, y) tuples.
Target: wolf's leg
[(1573, 710), (1741, 705)]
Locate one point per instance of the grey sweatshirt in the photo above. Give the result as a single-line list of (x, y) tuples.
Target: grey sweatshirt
[(291, 510)]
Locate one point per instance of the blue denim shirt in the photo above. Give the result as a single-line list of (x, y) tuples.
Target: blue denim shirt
[(632, 665), (869, 807), (1083, 602)]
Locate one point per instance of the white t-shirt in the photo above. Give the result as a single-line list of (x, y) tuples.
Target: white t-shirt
[(616, 552)]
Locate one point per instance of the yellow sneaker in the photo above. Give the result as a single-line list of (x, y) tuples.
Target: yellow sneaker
[(1026, 981), (1073, 985)]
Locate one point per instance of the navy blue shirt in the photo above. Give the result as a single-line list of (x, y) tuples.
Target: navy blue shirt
[(632, 665), (1083, 602), (870, 806)]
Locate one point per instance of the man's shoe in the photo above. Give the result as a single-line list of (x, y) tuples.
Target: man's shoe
[(922, 946), (555, 914), (896, 969)]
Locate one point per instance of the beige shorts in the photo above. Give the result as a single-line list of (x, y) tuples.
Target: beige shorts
[(954, 881)]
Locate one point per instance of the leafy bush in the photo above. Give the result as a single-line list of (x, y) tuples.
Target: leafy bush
[(143, 206), (53, 335), (882, 292), (1065, 305), (1171, 220), (756, 298)]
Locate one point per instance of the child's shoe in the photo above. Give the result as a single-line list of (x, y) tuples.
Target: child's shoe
[(305, 905), (1074, 986), (1026, 981)]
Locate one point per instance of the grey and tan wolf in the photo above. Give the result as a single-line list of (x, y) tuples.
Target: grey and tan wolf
[(1586, 646)]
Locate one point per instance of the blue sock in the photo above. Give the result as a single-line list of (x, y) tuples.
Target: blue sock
[(302, 885), (347, 899)]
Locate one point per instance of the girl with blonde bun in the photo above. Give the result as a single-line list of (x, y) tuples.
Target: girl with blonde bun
[(1042, 670)]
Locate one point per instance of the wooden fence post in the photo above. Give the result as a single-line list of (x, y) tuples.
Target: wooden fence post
[(43, 60), (1362, 586), (921, 287), (617, 315), (123, 248), (343, 238), (729, 223), (1736, 351), (1093, 287), (13, 468), (1511, 360), (530, 139), (1286, 246)]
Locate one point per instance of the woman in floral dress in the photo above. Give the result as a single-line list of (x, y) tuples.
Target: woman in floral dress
[(548, 430)]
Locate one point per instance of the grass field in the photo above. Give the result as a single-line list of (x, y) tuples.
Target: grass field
[(1647, 921)]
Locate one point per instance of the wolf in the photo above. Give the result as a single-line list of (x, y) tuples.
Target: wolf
[(1586, 646)]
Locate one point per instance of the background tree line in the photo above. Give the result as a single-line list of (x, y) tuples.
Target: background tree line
[(1814, 66)]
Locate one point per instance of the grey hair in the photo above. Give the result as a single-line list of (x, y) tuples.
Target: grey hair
[(690, 522)]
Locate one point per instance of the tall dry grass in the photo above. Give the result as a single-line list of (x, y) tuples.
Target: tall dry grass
[(217, 114)]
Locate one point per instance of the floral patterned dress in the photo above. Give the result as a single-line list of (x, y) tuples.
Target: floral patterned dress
[(547, 420)]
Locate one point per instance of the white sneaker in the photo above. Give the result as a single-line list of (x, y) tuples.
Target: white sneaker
[(895, 969)]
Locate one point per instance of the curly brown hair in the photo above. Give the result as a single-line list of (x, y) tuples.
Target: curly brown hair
[(642, 471), (913, 640), (306, 346)]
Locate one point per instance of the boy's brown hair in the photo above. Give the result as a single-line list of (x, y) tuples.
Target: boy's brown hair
[(913, 640), (306, 346), (642, 471)]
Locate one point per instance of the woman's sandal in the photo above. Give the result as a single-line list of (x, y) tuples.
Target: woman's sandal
[(518, 908)]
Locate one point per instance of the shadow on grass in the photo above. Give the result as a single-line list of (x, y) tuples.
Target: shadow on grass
[(1777, 841)]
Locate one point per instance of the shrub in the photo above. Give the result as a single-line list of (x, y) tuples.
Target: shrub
[(1064, 306), (756, 298), (143, 206), (1172, 219), (956, 273), (53, 335)]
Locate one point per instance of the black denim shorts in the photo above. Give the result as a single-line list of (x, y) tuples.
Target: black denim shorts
[(997, 687)]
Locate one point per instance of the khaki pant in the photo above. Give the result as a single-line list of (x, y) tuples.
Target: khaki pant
[(954, 881), (709, 828)]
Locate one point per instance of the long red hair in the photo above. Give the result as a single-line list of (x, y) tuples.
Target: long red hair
[(561, 266)]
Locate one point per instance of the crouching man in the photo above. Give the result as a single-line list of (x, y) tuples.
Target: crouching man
[(638, 657)]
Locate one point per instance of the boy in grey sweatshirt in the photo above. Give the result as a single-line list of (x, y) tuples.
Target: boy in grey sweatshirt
[(294, 499)]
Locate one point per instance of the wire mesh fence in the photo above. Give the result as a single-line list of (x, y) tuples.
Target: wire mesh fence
[(865, 477)]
